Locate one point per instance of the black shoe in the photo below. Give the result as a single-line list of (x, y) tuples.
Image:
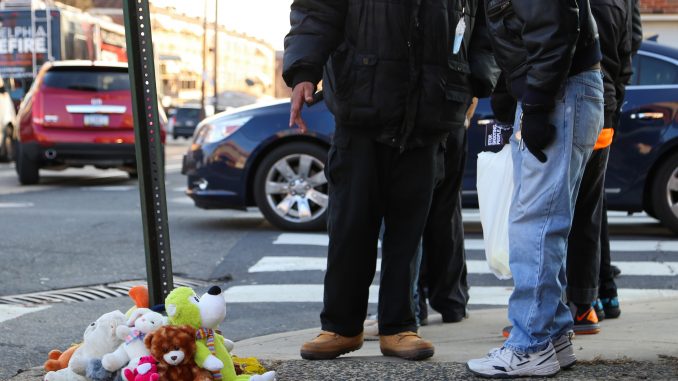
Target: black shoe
[(611, 307), (616, 271), (454, 317)]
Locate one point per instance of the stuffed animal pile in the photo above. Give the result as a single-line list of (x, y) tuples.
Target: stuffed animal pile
[(144, 345), (142, 322)]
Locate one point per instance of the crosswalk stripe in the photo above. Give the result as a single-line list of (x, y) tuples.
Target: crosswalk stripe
[(12, 312), (295, 263), (313, 293), (478, 244), (16, 205), (110, 188)]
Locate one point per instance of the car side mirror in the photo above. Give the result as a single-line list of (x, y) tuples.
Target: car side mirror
[(3, 90)]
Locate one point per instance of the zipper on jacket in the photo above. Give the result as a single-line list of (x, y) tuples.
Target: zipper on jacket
[(413, 82), (494, 8)]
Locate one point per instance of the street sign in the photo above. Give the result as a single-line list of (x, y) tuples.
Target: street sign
[(149, 149)]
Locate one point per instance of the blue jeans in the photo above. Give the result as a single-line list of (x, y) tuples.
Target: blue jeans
[(541, 213)]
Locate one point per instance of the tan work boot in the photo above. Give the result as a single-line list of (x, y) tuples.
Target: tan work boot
[(328, 345), (407, 345)]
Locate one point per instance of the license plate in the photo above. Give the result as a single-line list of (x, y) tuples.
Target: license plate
[(96, 120)]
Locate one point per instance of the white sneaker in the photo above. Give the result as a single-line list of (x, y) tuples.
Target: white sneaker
[(505, 363), (371, 330), (565, 350)]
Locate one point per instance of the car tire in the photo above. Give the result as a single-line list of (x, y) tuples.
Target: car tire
[(27, 168), (290, 187), (664, 193)]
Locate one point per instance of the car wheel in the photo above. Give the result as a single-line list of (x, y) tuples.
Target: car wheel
[(27, 168), (665, 193), (6, 146), (290, 187)]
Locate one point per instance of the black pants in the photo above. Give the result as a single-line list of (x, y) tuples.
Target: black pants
[(369, 181), (443, 274), (607, 287), (583, 250)]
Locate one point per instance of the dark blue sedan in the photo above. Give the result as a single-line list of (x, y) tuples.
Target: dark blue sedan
[(249, 157)]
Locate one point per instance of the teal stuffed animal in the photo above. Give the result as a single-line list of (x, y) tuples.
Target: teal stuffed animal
[(205, 314)]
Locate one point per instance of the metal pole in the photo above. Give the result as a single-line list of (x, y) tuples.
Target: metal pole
[(204, 62), (216, 54), (34, 61), (149, 149)]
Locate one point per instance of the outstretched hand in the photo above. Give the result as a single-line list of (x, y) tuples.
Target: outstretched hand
[(302, 93)]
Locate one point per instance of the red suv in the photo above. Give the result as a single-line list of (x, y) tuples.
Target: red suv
[(77, 113)]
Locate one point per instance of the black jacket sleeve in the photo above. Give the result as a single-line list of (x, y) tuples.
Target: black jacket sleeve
[(484, 69), (630, 46), (636, 26), (503, 104), (612, 17), (317, 28), (550, 33)]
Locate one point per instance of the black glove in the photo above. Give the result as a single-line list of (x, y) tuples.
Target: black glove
[(503, 107), (537, 132)]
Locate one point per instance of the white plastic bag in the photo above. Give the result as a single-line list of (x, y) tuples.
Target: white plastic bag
[(495, 191)]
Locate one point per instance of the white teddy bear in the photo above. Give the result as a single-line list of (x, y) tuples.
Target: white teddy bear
[(99, 339), (142, 322)]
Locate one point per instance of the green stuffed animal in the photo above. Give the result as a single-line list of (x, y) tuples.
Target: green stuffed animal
[(205, 314)]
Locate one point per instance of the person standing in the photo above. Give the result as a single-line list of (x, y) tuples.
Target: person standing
[(608, 305), (390, 77), (550, 54), (443, 274), (588, 235)]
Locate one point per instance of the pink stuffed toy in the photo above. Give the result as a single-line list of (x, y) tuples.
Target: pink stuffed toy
[(145, 371)]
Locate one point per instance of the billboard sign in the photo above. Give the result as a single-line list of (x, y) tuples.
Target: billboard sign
[(19, 42)]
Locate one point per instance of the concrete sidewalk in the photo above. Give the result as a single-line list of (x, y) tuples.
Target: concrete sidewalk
[(641, 344)]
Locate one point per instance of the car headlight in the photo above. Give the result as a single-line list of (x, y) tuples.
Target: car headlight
[(219, 129)]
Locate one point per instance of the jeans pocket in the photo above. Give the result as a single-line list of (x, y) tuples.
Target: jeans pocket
[(588, 121)]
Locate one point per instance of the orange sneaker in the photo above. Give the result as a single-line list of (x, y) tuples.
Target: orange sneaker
[(586, 321)]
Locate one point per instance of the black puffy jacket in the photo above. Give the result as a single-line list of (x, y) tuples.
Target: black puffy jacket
[(613, 19), (539, 43), (389, 67)]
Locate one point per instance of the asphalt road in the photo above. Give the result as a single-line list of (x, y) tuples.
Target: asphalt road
[(82, 228)]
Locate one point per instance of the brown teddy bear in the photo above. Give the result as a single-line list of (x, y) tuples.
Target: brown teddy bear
[(174, 348)]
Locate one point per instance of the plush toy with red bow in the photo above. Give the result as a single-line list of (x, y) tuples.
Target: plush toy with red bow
[(142, 322), (146, 370)]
